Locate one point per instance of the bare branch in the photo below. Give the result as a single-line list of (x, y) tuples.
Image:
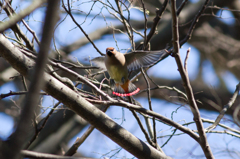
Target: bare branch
[(79, 26), (225, 108), (145, 25), (185, 61), (126, 25), (38, 130), (181, 7), (187, 86), (195, 21), (38, 155), (16, 93), (153, 136), (79, 141), (142, 128), (18, 17), (156, 20)]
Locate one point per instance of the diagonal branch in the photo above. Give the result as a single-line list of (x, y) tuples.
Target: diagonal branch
[(194, 23), (225, 108), (19, 16), (79, 105), (79, 26), (156, 20)]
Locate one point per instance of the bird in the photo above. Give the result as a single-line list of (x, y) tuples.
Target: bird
[(118, 66)]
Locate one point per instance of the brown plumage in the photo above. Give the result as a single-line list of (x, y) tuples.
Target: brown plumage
[(118, 65)]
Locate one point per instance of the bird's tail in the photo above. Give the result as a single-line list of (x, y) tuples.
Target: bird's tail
[(126, 89)]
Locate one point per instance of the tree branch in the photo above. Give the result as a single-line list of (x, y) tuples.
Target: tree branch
[(186, 83), (19, 16), (31, 154), (79, 26), (225, 108)]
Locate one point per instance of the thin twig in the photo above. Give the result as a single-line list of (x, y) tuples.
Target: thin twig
[(166, 87), (39, 129), (173, 134), (156, 20), (17, 93), (145, 25), (24, 83), (225, 108), (194, 23), (141, 125), (13, 24), (31, 31), (222, 125), (86, 35), (126, 24), (218, 132), (39, 155), (150, 106), (181, 7), (142, 128), (79, 141), (185, 61), (26, 25), (154, 135)]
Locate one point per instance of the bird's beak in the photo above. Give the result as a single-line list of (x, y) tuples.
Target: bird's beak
[(109, 53)]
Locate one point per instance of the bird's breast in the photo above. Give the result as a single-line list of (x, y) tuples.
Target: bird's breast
[(116, 67), (117, 72)]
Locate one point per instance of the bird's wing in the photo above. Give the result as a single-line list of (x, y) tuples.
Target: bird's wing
[(99, 62), (136, 60)]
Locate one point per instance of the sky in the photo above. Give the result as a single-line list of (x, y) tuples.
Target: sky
[(97, 144)]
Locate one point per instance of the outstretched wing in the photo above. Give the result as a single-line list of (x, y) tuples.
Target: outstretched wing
[(136, 60), (99, 62)]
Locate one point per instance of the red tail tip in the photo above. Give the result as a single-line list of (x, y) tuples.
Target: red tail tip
[(127, 94)]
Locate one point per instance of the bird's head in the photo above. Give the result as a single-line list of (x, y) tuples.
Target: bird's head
[(111, 51)]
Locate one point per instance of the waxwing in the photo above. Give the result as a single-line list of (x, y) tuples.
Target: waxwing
[(118, 65)]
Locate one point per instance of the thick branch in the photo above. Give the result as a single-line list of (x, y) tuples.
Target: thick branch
[(79, 105)]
